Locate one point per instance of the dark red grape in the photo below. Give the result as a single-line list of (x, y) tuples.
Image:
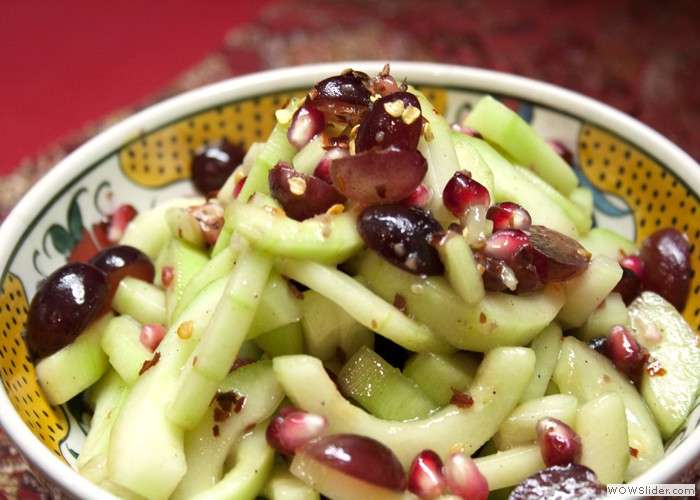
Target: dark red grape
[(394, 120), (343, 98), (301, 196), (361, 457), (667, 270), (556, 256), (65, 303), (572, 481), (119, 261), (378, 176), (403, 236), (214, 164)]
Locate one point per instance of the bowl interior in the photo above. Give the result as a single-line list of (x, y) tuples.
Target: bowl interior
[(640, 183)]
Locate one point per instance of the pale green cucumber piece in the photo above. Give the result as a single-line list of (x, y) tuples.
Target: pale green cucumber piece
[(497, 387), (510, 467), (141, 300), (585, 292), (586, 374), (546, 345), (461, 269), (438, 149), (612, 311), (106, 399), (602, 426), (146, 453), (75, 367), (121, 342), (149, 230), (279, 306), (582, 219), (328, 328), (276, 148), (286, 339), (673, 347), (505, 128), (519, 428), (185, 260), (471, 161), (215, 268), (437, 374), (282, 485), (370, 310), (332, 483), (216, 351), (326, 238), (210, 442), (499, 319), (184, 226), (583, 198), (601, 240), (308, 157), (382, 389), (511, 185)]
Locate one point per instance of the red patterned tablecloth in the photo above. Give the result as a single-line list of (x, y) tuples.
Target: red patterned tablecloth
[(640, 56)]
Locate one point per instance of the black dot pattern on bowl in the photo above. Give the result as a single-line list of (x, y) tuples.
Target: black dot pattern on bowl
[(656, 195), (17, 370), (163, 155)]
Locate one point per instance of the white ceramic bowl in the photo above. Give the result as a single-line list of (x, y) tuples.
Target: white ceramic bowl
[(641, 180)]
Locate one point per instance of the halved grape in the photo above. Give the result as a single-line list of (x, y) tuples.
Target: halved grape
[(65, 303), (119, 261), (378, 176), (560, 481), (343, 98), (393, 120), (666, 257), (556, 256), (301, 196), (403, 236)]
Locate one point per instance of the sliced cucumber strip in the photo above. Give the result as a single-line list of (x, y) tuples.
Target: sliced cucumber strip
[(287, 339), (510, 467), (670, 383), (461, 269), (612, 311), (283, 485), (121, 342), (72, 369), (496, 389), (141, 300), (438, 374), (546, 345), (600, 240)]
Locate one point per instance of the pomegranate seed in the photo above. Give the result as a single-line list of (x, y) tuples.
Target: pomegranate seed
[(167, 275), (291, 429), (306, 123), (462, 192), (238, 187), (625, 352), (425, 476), (559, 444), (634, 263), (151, 335), (118, 222), (507, 244), (464, 478), (508, 215), (420, 197)]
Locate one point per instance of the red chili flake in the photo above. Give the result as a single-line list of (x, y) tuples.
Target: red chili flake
[(400, 303), (634, 452), (239, 404), (227, 400), (167, 275), (340, 355), (482, 318), (461, 399), (239, 362), (296, 293), (216, 431), (654, 368), (221, 415), (249, 427), (149, 363)]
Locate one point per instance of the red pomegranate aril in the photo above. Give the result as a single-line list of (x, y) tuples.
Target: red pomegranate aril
[(213, 164), (301, 196), (361, 457), (403, 236), (634, 263), (306, 123), (394, 120), (425, 476), (667, 269), (625, 352), (65, 303), (378, 176), (462, 192), (238, 187), (117, 222), (464, 478), (292, 429), (508, 215), (151, 336), (420, 197), (559, 444), (556, 256), (508, 245)]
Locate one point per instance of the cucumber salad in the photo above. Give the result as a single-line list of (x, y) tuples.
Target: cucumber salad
[(372, 303)]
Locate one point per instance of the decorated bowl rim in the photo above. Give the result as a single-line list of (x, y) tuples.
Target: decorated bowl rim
[(300, 77)]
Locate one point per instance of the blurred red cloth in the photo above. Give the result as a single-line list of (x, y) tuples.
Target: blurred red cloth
[(68, 63)]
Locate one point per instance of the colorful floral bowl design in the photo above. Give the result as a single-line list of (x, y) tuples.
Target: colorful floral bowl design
[(641, 182)]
